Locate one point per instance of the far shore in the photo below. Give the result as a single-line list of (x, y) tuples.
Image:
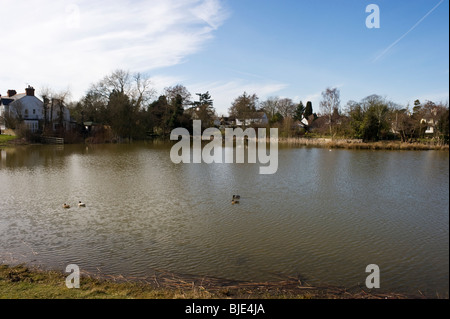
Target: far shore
[(360, 145), (322, 142)]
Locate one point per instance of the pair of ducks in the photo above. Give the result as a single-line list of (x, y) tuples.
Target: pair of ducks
[(235, 199), (80, 204)]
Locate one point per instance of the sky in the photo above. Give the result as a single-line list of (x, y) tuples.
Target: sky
[(286, 48)]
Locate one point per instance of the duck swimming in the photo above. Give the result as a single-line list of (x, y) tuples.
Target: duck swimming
[(66, 206), (236, 196), (234, 202), (80, 204)]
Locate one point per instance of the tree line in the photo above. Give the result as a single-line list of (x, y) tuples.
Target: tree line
[(376, 118), (128, 104), (373, 118)]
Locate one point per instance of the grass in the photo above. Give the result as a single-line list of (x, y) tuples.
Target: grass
[(22, 282), (4, 139)]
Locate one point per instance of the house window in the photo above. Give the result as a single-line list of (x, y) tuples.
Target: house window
[(34, 111), (26, 112)]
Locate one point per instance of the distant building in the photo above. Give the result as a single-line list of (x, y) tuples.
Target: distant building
[(27, 108), (227, 121), (24, 106), (216, 121), (430, 120), (255, 118), (430, 123)]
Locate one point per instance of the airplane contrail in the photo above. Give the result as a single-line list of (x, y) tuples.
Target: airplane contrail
[(404, 35)]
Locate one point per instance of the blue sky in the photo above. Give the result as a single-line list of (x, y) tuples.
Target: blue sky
[(286, 48)]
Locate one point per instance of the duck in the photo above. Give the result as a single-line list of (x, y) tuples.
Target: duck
[(66, 206), (234, 202), (80, 204), (236, 196)]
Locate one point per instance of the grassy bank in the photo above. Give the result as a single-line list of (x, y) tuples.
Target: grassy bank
[(358, 144), (4, 139), (338, 143), (21, 282)]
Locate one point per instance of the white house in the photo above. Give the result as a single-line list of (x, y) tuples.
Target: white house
[(430, 120), (430, 123), (25, 106), (256, 118), (30, 109)]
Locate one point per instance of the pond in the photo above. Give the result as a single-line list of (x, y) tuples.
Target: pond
[(324, 216)]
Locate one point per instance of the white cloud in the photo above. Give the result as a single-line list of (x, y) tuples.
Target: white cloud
[(76, 43), (385, 51), (209, 12)]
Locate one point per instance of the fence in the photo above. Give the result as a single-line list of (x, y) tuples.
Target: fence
[(52, 140)]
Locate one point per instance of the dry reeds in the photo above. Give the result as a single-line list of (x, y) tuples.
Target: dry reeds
[(211, 287), (168, 285), (354, 144)]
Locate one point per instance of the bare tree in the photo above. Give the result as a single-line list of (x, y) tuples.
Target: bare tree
[(403, 123), (330, 104), (54, 107), (286, 108), (137, 86), (13, 115), (270, 106), (244, 107), (172, 92), (60, 101), (117, 81), (141, 92), (46, 94)]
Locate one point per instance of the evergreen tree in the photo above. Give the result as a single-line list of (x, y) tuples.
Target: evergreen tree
[(204, 109), (299, 112), (308, 109)]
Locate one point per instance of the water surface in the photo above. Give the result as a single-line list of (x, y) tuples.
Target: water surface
[(324, 216)]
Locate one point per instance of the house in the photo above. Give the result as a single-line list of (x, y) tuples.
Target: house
[(216, 121), (430, 123), (303, 123), (430, 120), (24, 107), (255, 118), (4, 103), (227, 121), (30, 110)]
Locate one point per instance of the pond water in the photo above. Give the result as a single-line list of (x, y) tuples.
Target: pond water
[(324, 216)]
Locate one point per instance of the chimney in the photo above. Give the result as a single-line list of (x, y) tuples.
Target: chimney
[(11, 93), (30, 91)]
